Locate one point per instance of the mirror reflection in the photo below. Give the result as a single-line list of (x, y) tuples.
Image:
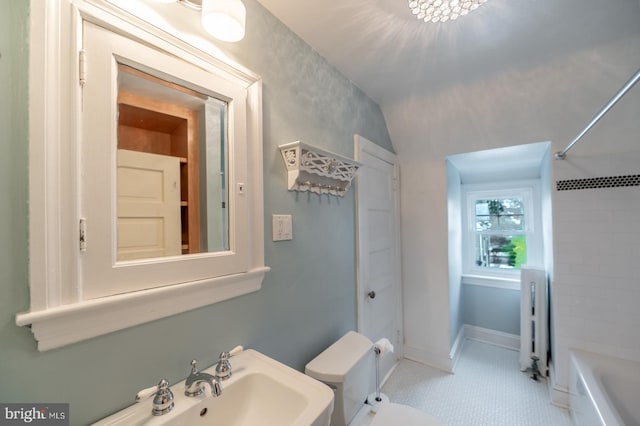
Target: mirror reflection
[(171, 167)]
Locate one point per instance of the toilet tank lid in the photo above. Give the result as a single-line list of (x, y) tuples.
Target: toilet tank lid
[(333, 364)]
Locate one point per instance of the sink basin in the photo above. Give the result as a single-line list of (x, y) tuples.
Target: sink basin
[(261, 391)]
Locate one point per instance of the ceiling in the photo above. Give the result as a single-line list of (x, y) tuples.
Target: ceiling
[(388, 53), (519, 162)]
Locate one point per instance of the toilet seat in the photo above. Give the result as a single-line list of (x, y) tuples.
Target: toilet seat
[(390, 414)]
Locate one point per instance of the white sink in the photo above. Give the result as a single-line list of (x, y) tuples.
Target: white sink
[(261, 391)]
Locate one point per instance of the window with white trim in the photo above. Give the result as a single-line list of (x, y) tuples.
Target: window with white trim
[(501, 231), (500, 237)]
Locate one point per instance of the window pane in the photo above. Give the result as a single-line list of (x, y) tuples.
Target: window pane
[(511, 222), (483, 223), (503, 214), (500, 251)]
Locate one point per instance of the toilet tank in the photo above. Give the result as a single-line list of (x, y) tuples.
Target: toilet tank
[(347, 367)]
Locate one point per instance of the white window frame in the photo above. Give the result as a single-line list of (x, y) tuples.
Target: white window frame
[(529, 192), (60, 314)]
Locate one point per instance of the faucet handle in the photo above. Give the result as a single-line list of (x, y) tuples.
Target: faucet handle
[(146, 393), (232, 352), (235, 351), (194, 366), (162, 397), (223, 368)]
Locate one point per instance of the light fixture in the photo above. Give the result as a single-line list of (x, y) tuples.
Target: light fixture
[(442, 10), (223, 19)]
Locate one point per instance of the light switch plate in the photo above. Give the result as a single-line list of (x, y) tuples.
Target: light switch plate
[(282, 227)]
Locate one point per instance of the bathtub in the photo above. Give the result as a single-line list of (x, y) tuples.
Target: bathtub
[(603, 390)]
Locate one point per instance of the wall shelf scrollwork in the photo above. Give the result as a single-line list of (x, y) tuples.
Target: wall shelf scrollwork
[(316, 170)]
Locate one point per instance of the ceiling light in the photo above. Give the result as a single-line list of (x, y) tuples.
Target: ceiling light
[(442, 10), (223, 19)]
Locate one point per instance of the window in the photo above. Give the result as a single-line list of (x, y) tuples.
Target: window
[(502, 231), (500, 239)]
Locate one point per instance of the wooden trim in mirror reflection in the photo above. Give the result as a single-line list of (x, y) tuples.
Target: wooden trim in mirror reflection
[(149, 77), (159, 127)]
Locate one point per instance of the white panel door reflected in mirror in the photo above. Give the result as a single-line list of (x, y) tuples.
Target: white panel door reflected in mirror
[(172, 160)]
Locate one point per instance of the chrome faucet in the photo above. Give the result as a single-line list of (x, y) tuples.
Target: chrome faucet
[(194, 385), (162, 397), (223, 368)]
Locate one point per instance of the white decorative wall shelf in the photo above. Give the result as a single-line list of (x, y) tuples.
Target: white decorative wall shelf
[(316, 170)]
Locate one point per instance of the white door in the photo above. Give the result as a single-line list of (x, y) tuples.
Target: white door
[(148, 205), (378, 228)]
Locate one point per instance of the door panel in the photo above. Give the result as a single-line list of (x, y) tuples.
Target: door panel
[(148, 205), (379, 278)]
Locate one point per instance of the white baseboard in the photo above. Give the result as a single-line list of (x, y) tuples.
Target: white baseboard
[(448, 363), (493, 337), (456, 349), (559, 395), (485, 335), (430, 358)]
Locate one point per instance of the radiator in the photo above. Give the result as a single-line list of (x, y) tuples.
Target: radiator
[(533, 318)]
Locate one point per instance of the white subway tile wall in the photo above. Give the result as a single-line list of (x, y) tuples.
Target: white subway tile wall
[(596, 285)]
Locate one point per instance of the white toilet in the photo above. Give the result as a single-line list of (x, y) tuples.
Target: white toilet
[(347, 367)]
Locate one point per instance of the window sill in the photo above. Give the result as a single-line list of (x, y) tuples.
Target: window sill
[(68, 324), (492, 281)]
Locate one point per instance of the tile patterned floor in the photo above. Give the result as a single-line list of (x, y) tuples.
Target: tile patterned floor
[(487, 389)]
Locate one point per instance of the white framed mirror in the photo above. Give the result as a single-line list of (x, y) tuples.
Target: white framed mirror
[(145, 172), (172, 168)]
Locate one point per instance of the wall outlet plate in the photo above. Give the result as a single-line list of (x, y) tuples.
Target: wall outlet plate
[(282, 227)]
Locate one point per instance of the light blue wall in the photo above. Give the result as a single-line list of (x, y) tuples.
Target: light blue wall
[(490, 307), (307, 300)]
